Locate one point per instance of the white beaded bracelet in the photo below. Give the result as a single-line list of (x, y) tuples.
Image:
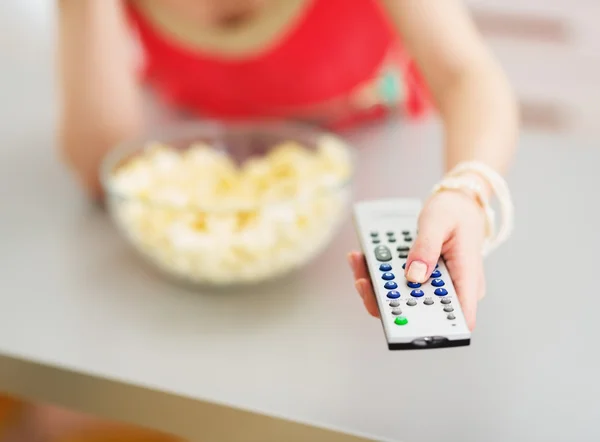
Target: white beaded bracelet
[(472, 187), (454, 181)]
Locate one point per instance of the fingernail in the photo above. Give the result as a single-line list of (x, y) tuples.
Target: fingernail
[(417, 271)]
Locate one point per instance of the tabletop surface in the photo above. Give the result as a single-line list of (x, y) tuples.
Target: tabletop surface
[(73, 296)]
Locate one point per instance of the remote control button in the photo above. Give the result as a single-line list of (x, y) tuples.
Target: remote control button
[(387, 276), (436, 274), (417, 293), (401, 320), (403, 255), (446, 301), (428, 301), (374, 234), (376, 241), (385, 267), (394, 294), (403, 248), (382, 253), (404, 266), (448, 309), (408, 238), (413, 285), (441, 292), (411, 302), (438, 282), (391, 239), (394, 303), (396, 312), (391, 285), (390, 233), (451, 316), (405, 232)]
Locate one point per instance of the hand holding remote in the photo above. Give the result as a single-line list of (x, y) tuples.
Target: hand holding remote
[(450, 224)]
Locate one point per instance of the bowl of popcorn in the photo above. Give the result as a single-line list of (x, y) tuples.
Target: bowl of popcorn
[(227, 204)]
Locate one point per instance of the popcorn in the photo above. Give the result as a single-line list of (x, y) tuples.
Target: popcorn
[(197, 215)]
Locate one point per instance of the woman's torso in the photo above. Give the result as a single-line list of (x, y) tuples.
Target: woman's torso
[(331, 61)]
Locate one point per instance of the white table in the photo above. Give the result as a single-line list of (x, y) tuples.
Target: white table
[(84, 324)]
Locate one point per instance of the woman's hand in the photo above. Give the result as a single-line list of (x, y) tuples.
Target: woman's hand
[(451, 224)]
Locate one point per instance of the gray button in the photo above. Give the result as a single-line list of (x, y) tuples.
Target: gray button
[(382, 253), (428, 301), (396, 312), (448, 309), (394, 303), (374, 234), (411, 302), (446, 301), (451, 316)]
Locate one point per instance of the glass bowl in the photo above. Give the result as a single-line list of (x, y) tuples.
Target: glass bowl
[(223, 204)]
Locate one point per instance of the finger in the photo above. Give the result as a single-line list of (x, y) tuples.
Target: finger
[(426, 250), (482, 287), (469, 307), (363, 282), (358, 265), (467, 273), (366, 292)]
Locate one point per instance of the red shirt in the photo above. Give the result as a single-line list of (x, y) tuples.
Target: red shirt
[(342, 61)]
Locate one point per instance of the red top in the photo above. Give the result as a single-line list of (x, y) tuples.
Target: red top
[(341, 61)]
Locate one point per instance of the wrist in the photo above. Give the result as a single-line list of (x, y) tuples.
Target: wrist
[(482, 182), (484, 186), (472, 189)]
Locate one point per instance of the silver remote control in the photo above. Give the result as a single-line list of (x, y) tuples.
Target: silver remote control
[(414, 316)]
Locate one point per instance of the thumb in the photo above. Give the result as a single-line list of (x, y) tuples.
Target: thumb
[(426, 250)]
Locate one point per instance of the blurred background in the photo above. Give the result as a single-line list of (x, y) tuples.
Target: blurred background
[(550, 48)]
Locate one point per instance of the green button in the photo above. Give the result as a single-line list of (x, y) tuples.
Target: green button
[(401, 320)]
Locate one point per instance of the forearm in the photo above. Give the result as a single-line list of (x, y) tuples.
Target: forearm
[(474, 98), (100, 98), (481, 119)]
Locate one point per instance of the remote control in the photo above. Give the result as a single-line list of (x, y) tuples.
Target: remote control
[(414, 316)]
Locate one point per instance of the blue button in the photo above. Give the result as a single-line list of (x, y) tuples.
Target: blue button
[(417, 293), (385, 267), (441, 292), (394, 294), (436, 274), (391, 285), (438, 282), (388, 276), (404, 265), (413, 285)]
